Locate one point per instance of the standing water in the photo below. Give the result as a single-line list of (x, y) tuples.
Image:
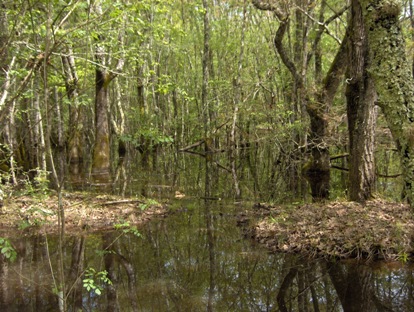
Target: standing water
[(198, 258)]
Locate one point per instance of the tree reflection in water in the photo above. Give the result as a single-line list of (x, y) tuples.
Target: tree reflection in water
[(196, 260)]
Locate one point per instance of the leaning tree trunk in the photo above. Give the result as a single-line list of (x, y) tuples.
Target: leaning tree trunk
[(317, 171), (361, 96), (391, 73)]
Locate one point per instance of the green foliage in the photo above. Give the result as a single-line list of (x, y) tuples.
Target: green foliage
[(148, 203), (39, 188), (126, 228), (93, 280), (7, 250)]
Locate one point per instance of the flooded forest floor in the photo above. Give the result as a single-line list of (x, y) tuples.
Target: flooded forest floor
[(378, 230)]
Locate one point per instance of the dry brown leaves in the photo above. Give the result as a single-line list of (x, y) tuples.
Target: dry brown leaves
[(82, 211), (376, 230)]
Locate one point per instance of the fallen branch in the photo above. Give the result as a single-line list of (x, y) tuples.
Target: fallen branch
[(125, 201)]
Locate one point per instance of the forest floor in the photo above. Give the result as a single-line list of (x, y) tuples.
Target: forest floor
[(82, 212), (378, 230)]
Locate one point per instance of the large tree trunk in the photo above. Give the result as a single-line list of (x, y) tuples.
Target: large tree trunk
[(391, 73), (101, 151), (361, 96), (353, 286), (103, 76)]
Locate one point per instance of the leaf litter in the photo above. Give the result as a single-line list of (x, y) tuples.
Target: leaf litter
[(82, 212), (377, 230)]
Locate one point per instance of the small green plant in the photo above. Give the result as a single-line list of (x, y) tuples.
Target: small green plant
[(37, 188), (126, 228), (93, 278), (7, 249), (148, 203), (403, 256)]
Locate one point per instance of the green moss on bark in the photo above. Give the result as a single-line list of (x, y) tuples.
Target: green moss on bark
[(391, 73)]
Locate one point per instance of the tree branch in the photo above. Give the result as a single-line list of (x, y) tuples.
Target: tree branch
[(269, 5)]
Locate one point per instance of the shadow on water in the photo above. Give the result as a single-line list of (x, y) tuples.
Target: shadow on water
[(196, 259)]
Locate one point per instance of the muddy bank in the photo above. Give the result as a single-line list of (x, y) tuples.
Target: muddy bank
[(377, 230), (82, 212)]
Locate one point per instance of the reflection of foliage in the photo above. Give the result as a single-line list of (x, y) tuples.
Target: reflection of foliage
[(7, 249), (91, 279)]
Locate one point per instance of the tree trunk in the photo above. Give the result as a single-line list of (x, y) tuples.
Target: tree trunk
[(361, 98), (391, 73), (101, 151), (353, 286), (317, 170), (75, 153)]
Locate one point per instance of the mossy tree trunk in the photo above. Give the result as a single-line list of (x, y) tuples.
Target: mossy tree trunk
[(391, 73), (103, 76), (361, 96), (101, 151)]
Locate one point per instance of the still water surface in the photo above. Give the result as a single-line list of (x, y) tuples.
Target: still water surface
[(196, 259)]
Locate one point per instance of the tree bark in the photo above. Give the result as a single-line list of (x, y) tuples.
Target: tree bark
[(101, 151), (75, 153), (391, 73), (103, 76), (361, 96)]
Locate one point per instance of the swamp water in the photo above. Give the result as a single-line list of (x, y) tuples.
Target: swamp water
[(195, 259)]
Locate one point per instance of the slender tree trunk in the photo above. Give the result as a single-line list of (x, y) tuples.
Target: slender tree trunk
[(361, 98), (75, 153), (237, 101), (208, 142)]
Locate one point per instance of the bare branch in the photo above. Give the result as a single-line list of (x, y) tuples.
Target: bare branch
[(270, 5)]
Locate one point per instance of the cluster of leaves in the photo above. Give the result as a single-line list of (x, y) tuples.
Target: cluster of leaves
[(93, 280), (126, 228), (7, 250)]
